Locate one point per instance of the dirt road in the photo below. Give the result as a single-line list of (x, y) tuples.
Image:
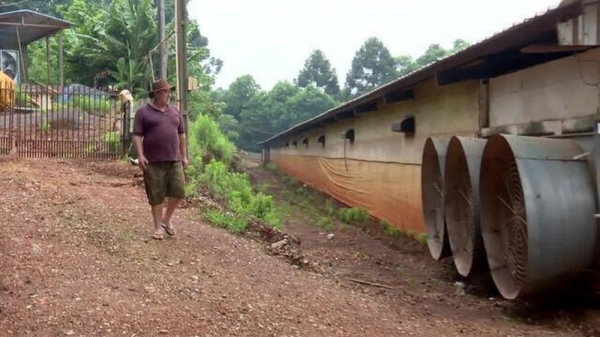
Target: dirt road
[(77, 260)]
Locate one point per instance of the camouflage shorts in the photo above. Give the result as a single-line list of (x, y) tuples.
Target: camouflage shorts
[(163, 180)]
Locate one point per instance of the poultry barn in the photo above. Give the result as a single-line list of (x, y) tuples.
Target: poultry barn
[(492, 152)]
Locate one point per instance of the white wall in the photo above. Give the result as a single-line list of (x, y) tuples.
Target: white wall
[(448, 110), (561, 89)]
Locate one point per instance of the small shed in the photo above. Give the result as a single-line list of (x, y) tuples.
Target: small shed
[(20, 28)]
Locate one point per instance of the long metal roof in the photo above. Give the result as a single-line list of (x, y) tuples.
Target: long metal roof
[(26, 26), (517, 36)]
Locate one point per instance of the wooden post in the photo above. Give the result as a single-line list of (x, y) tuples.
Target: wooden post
[(161, 37), (180, 47)]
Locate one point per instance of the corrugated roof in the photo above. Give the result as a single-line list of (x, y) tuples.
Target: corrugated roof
[(516, 36), (27, 26)]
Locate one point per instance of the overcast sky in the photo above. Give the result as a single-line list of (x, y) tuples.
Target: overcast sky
[(271, 39)]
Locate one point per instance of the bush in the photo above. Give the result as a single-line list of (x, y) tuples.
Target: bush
[(207, 142), (206, 139), (211, 162), (236, 189)]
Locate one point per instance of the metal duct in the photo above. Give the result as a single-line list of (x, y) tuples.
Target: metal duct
[(432, 193), (537, 212), (463, 161)]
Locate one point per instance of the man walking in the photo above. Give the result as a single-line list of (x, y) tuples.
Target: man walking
[(160, 142)]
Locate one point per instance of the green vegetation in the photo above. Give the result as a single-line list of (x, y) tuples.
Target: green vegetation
[(211, 158), (353, 216), (326, 223), (389, 230), (237, 191), (91, 105), (231, 222)]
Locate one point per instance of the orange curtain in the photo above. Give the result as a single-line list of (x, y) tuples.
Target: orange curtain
[(389, 191)]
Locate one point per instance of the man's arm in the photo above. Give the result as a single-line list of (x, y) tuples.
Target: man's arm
[(138, 131), (142, 161), (182, 141), (183, 149), (137, 143)]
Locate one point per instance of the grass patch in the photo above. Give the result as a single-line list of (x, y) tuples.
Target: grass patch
[(389, 230), (232, 223), (353, 216), (326, 223)]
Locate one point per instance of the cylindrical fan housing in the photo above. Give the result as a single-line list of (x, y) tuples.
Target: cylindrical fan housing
[(537, 212), (432, 192), (462, 205)]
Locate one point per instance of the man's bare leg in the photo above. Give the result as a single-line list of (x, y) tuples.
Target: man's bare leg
[(171, 206), (156, 216)]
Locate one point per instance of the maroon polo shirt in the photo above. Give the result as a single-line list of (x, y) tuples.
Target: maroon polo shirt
[(160, 132)]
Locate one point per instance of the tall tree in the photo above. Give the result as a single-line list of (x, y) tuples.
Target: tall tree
[(239, 94), (285, 105), (432, 54), (122, 43), (459, 44), (372, 66), (255, 122), (229, 126), (318, 72), (405, 65), (308, 103)]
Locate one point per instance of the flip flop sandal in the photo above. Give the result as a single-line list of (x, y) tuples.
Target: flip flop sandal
[(156, 236), (167, 229)]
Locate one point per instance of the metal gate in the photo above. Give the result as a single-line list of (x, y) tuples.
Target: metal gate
[(76, 121)]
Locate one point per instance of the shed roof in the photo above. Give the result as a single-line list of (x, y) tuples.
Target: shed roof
[(541, 28), (27, 26)]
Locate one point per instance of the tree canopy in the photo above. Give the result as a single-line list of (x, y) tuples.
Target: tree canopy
[(317, 71), (372, 66)]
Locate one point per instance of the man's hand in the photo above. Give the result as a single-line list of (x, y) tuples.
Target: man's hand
[(185, 162), (143, 163)]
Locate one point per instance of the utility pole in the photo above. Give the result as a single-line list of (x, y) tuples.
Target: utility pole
[(161, 37), (181, 65)]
